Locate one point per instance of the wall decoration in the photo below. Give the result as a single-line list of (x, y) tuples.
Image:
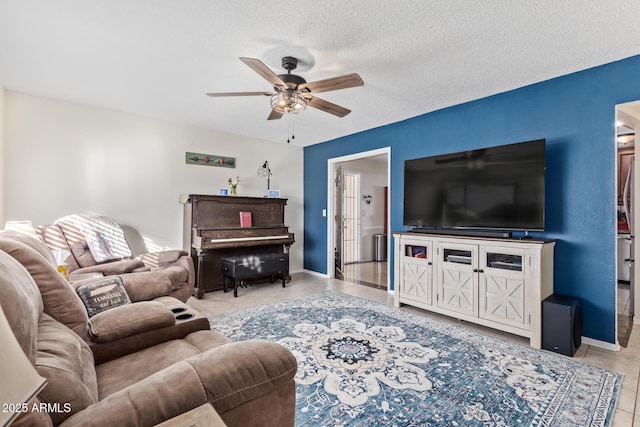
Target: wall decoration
[(210, 160)]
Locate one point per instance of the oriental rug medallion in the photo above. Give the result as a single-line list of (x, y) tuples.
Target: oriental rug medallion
[(361, 363)]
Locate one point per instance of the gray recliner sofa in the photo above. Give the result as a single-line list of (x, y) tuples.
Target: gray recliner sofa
[(249, 383), (85, 237)]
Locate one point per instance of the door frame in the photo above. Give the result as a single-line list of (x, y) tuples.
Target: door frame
[(331, 200), (622, 114)]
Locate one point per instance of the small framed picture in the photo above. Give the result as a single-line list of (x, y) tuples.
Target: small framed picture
[(274, 193), (224, 192)]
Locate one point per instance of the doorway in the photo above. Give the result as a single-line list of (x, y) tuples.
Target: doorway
[(627, 123), (358, 211)]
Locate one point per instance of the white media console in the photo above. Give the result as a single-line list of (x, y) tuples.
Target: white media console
[(495, 282)]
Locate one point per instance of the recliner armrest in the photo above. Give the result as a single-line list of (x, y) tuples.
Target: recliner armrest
[(162, 258), (147, 285), (113, 268), (128, 320), (188, 321)]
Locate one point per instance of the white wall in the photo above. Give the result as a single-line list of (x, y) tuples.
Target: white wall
[(2, 162), (64, 158)]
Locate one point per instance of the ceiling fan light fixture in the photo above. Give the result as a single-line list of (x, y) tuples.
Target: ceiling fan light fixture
[(291, 93), (288, 102)]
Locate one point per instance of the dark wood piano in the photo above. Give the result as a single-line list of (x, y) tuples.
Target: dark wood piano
[(212, 230)]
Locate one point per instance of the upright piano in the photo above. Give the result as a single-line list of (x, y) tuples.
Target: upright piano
[(212, 230)]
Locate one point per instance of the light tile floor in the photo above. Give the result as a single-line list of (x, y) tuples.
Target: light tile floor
[(626, 361), (625, 322), (367, 273)]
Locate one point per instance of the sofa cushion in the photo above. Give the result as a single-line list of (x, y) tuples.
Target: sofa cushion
[(147, 285), (120, 373), (129, 320), (33, 418), (60, 300), (66, 361), (53, 237), (82, 254), (21, 303), (100, 295), (33, 243), (243, 371)]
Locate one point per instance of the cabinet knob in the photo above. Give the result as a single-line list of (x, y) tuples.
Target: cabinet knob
[(475, 270), (481, 271), (429, 263)]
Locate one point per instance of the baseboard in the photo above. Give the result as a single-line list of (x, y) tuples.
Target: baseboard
[(601, 344)]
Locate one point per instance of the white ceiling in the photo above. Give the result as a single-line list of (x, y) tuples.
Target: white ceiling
[(159, 57)]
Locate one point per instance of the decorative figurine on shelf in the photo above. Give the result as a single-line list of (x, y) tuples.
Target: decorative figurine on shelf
[(233, 183)]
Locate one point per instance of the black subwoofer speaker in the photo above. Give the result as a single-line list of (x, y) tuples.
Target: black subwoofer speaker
[(561, 324)]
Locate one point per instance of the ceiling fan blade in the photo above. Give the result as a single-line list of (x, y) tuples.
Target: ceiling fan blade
[(275, 115), (266, 72), (214, 95), (327, 106), (334, 83)]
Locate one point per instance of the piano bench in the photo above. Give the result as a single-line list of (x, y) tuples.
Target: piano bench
[(245, 267)]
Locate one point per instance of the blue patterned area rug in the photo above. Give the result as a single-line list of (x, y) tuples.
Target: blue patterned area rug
[(361, 363)]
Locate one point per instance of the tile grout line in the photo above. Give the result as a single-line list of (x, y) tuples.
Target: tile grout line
[(635, 402)]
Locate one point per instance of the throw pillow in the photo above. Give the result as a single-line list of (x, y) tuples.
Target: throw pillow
[(103, 295)]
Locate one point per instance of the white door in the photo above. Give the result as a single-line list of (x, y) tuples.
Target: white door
[(339, 225), (350, 219)]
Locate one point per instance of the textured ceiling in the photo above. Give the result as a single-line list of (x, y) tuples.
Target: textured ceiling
[(159, 57)]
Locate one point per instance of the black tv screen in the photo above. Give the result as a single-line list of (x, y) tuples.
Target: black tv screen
[(498, 187)]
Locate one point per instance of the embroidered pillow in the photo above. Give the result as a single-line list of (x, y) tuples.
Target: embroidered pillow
[(102, 295)]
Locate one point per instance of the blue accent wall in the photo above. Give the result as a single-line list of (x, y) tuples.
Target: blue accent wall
[(574, 113)]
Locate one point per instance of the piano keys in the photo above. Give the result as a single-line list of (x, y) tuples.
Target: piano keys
[(211, 230)]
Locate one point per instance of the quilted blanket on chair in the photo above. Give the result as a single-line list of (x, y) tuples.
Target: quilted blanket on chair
[(105, 238)]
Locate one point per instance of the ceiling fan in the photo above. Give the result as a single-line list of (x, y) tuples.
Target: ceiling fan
[(292, 93)]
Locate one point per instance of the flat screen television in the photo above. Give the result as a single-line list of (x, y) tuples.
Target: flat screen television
[(500, 187)]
